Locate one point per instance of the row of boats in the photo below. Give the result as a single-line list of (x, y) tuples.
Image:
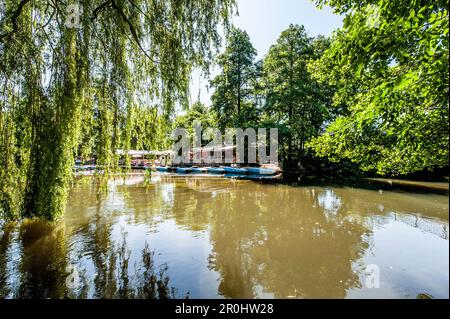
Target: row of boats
[(252, 173), (219, 170)]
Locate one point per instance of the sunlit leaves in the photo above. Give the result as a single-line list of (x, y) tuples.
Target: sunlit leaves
[(296, 102), (77, 90), (393, 78), (233, 97)]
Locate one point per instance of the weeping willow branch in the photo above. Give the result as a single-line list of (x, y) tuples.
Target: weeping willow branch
[(100, 8), (15, 15), (87, 90), (131, 27)]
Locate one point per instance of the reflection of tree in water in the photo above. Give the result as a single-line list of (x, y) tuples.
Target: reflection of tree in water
[(148, 282), (114, 276), (427, 212), (145, 202), (43, 261), (103, 256), (187, 201), (192, 203), (153, 285), (283, 240), (6, 232), (284, 243), (111, 261), (231, 235), (33, 260)]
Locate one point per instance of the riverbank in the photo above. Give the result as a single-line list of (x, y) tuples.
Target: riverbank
[(433, 186)]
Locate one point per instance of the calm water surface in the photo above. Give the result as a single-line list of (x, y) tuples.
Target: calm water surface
[(208, 237)]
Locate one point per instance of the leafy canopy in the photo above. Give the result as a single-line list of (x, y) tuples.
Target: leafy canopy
[(294, 101), (389, 64), (233, 97), (69, 88)]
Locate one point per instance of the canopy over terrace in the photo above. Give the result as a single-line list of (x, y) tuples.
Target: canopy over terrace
[(145, 158), (143, 153), (206, 154)]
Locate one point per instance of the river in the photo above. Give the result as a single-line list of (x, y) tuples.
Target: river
[(211, 237)]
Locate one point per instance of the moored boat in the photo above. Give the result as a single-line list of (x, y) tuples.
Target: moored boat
[(216, 170), (235, 170), (184, 170), (262, 171), (199, 169), (162, 168)]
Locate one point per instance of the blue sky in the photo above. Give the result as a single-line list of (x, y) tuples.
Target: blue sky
[(264, 20)]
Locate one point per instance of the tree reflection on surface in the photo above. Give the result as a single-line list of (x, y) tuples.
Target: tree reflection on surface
[(174, 237)]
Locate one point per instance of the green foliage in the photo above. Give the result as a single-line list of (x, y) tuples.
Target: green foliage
[(115, 80), (233, 97), (294, 101), (68, 91), (276, 92), (53, 144), (198, 114), (149, 129), (390, 66)]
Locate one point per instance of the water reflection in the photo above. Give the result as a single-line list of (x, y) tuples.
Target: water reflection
[(329, 201), (294, 252), (176, 237), (42, 263), (39, 260)]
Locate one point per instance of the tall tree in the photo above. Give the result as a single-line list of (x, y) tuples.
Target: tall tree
[(295, 102), (233, 98), (389, 63)]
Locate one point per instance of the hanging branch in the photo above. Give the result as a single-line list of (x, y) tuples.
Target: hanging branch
[(131, 27), (100, 8), (15, 15)]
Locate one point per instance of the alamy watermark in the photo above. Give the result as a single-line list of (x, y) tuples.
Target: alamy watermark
[(372, 276), (236, 146), (73, 14), (73, 278)]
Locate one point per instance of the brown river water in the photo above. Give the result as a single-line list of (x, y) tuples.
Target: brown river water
[(211, 237)]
